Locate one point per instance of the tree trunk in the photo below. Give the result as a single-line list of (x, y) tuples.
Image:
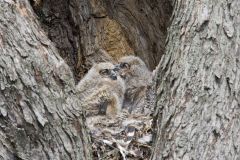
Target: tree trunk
[(81, 28), (144, 24), (197, 108), (40, 115), (198, 86)]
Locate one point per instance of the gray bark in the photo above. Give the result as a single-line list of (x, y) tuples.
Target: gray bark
[(144, 24), (41, 117), (198, 86), (81, 28), (40, 114), (73, 28), (197, 108)]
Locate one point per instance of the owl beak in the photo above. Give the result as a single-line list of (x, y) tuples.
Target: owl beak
[(117, 68), (113, 75)]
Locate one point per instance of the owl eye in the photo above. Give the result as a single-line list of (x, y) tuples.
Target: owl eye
[(104, 71), (124, 65)]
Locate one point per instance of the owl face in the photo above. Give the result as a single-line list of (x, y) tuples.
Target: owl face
[(127, 66), (106, 70), (123, 68), (108, 73)]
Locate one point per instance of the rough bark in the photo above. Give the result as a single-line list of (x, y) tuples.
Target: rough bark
[(144, 24), (82, 33), (40, 114), (69, 25), (198, 103), (41, 117), (82, 30), (197, 110)]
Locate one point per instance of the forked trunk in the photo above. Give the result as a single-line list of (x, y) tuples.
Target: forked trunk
[(198, 87)]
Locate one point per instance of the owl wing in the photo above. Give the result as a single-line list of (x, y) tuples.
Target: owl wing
[(98, 101)]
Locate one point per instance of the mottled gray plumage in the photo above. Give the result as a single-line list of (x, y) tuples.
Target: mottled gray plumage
[(137, 78), (101, 90)]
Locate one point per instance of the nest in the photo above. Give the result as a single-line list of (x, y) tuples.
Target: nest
[(125, 136)]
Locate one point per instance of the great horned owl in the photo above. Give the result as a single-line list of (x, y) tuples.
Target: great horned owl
[(137, 78), (101, 90)]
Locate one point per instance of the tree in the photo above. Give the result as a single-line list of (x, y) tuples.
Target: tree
[(198, 83), (41, 116), (197, 106)]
